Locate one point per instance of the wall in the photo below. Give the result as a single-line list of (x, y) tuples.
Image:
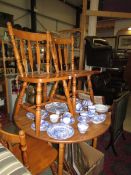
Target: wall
[(51, 14)]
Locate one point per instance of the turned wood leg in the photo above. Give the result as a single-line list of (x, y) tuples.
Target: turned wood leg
[(61, 159), (94, 142), (90, 88), (38, 107), (53, 91), (45, 92), (74, 94), (20, 98), (67, 96)]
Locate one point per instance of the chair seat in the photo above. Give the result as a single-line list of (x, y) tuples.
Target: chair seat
[(39, 149), (44, 77)]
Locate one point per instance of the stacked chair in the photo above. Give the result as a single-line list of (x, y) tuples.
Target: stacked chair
[(57, 53)]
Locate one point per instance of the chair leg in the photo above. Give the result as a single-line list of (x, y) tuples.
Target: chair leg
[(68, 97), (53, 91), (54, 169), (38, 107), (111, 143), (20, 98), (90, 88)]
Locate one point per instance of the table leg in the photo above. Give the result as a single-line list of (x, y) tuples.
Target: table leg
[(61, 158)]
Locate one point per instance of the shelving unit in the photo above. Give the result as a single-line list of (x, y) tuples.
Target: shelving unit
[(8, 75)]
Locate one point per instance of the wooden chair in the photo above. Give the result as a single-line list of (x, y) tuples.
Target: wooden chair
[(35, 154), (63, 51), (119, 108), (31, 50)]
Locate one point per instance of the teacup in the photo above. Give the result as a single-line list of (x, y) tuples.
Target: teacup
[(91, 109), (67, 114), (66, 120), (82, 127), (79, 107), (86, 103), (54, 118)]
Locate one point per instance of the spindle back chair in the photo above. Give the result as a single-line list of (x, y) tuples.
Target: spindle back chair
[(31, 50), (36, 155)]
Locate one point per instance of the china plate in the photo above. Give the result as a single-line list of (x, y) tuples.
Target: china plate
[(83, 119), (98, 118), (31, 116), (60, 131), (72, 120), (43, 127), (56, 106)]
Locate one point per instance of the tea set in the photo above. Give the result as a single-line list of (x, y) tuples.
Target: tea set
[(59, 119)]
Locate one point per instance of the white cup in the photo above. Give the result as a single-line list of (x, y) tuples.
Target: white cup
[(54, 118), (66, 120), (82, 127), (91, 109)]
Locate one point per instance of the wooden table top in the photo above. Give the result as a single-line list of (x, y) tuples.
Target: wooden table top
[(94, 130)]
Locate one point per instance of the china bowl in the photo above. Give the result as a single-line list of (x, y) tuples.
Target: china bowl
[(101, 108)]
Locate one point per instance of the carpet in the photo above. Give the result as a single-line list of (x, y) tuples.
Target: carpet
[(116, 165)]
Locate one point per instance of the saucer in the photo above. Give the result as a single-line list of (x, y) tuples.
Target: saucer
[(72, 120), (60, 131), (43, 127), (99, 118), (31, 116), (83, 119), (90, 115)]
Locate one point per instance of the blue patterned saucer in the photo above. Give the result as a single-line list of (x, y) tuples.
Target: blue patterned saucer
[(31, 116), (72, 120), (43, 127), (60, 131), (99, 118), (83, 119)]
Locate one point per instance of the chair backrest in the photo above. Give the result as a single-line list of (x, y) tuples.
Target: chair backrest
[(63, 52), (10, 140), (31, 50), (118, 114)]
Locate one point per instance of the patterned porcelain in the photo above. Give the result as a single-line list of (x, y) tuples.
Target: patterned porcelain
[(31, 116), (82, 127), (43, 127), (83, 119), (86, 103), (99, 118), (56, 106), (60, 131), (67, 120)]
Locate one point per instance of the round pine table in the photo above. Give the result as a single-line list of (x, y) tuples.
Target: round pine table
[(94, 131)]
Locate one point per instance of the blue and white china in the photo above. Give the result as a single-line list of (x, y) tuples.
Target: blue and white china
[(99, 118), (44, 113), (43, 126), (31, 116), (82, 127), (79, 107), (83, 119), (86, 103), (101, 108), (84, 113), (67, 114), (91, 109), (60, 131), (56, 106), (67, 120), (54, 118)]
